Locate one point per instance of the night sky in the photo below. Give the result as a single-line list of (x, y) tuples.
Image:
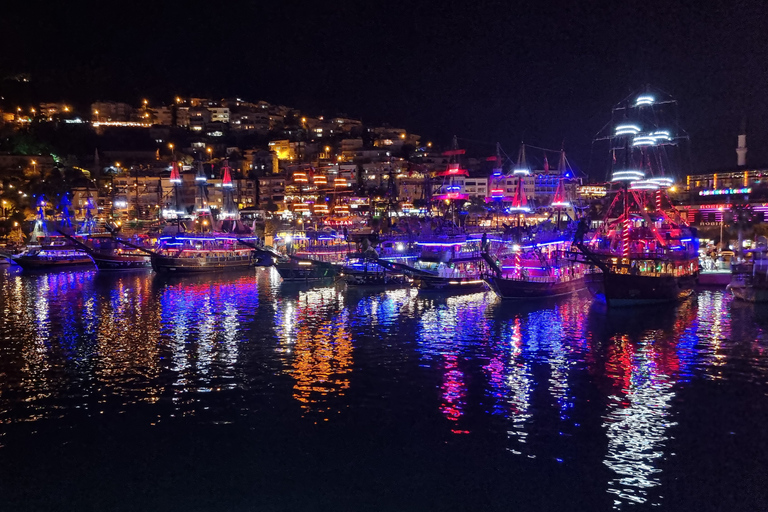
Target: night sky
[(487, 71)]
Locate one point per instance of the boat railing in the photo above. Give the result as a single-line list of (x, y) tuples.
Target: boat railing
[(541, 279)]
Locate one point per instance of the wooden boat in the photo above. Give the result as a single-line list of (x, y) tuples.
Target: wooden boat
[(617, 289), (53, 257), (301, 269), (200, 253), (535, 288), (121, 260), (452, 264), (645, 250), (360, 271), (536, 272), (111, 253)]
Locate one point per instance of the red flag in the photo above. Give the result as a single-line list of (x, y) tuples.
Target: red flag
[(546, 164)]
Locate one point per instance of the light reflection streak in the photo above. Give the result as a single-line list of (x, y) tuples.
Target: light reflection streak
[(445, 332), (315, 338), (637, 421)]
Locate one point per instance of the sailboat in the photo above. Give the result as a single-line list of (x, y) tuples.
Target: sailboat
[(535, 270), (46, 252), (645, 251), (204, 252)]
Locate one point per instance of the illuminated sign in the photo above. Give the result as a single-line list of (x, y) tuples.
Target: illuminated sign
[(592, 190), (725, 191)]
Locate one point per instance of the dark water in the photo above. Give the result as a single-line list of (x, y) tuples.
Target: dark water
[(234, 392)]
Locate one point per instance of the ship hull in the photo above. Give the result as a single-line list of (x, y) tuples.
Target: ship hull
[(110, 262), (714, 278), (292, 272), (450, 285), (379, 279), (35, 263), (169, 265), (517, 289), (621, 290)]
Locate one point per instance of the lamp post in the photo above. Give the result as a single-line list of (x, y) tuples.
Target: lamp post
[(722, 217)]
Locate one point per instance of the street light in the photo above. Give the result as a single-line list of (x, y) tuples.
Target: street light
[(722, 217), (34, 166)]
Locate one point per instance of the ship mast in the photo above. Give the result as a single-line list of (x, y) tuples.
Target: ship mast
[(201, 203), (176, 183), (228, 208)]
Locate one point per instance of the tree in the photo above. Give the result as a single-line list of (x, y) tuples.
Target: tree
[(271, 206), (406, 152)]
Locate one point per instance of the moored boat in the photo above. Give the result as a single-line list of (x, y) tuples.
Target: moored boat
[(459, 284), (644, 249), (536, 272), (121, 260), (54, 257), (200, 253), (714, 278), (110, 253), (535, 287), (300, 269), (750, 280), (361, 271)]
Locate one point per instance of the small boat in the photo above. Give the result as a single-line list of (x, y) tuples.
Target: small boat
[(111, 253), (52, 257), (201, 253), (750, 280), (361, 271), (714, 278), (300, 269), (453, 264), (121, 260)]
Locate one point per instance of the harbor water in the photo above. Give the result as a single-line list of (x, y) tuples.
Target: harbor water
[(133, 391)]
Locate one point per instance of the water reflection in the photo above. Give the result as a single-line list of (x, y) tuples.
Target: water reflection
[(314, 335), (446, 330), (562, 381)]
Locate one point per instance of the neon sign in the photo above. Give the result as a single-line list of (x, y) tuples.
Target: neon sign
[(725, 191)]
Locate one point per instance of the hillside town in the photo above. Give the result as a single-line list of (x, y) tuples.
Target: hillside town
[(138, 165)]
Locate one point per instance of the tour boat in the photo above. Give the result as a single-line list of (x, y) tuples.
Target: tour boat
[(52, 257), (644, 249), (201, 253), (450, 264), (536, 272)]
